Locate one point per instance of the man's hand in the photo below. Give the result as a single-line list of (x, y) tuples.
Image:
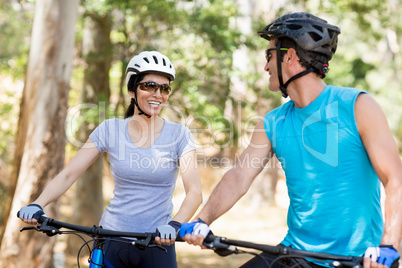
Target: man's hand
[(194, 232), (381, 257)]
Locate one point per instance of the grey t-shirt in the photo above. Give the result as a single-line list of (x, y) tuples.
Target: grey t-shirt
[(144, 177)]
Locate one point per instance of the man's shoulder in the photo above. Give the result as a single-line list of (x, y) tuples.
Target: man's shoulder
[(335, 90)]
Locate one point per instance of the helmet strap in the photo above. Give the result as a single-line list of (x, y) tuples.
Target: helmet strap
[(141, 112), (282, 86)]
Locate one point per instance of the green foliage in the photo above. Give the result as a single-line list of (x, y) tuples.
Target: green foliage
[(197, 39), (15, 29), (200, 38), (9, 108), (214, 26), (5, 129)]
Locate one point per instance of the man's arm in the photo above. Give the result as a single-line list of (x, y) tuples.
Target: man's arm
[(236, 182), (383, 152)]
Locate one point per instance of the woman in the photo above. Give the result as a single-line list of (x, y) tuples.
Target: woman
[(145, 152)]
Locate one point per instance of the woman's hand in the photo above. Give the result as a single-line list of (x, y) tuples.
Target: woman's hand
[(30, 213)]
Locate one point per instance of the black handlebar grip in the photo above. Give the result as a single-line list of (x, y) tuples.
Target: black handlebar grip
[(210, 238), (38, 215)]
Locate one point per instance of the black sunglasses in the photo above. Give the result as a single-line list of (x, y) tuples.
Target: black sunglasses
[(152, 87), (268, 54)]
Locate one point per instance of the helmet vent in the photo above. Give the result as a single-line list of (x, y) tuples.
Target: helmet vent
[(316, 37), (155, 59), (318, 28), (294, 26), (150, 62), (332, 33)]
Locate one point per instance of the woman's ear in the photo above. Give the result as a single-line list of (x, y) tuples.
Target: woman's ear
[(131, 94)]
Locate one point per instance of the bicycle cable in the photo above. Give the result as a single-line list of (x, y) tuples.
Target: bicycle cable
[(295, 256), (86, 243)]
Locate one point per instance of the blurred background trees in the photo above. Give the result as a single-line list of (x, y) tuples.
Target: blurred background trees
[(40, 138), (220, 91)]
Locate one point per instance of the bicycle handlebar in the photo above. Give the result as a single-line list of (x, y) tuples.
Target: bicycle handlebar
[(52, 227), (223, 247), (97, 231)]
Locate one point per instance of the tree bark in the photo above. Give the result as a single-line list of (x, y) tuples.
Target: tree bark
[(41, 137)]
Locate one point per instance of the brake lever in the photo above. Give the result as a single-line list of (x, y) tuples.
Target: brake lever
[(50, 230), (146, 243), (218, 245), (29, 228), (355, 263), (158, 246), (44, 228)]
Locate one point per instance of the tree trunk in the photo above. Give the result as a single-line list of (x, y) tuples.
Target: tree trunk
[(41, 137), (97, 52)]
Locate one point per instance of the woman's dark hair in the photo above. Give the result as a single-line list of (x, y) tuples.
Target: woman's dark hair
[(290, 43), (132, 86)]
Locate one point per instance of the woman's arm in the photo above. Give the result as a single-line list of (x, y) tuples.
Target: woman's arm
[(192, 186), (63, 181)]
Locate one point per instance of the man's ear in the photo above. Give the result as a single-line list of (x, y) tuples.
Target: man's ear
[(292, 55)]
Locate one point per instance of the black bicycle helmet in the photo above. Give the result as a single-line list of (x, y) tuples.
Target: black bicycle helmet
[(310, 33)]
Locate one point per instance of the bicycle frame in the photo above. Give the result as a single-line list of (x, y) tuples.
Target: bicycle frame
[(96, 259)]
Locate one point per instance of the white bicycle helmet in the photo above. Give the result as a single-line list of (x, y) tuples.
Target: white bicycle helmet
[(150, 62)]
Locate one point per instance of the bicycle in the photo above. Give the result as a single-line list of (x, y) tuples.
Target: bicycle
[(98, 235), (224, 247)]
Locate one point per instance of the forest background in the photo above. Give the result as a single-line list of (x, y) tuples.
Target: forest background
[(62, 69)]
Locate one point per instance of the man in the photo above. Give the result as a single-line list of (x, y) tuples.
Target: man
[(334, 145)]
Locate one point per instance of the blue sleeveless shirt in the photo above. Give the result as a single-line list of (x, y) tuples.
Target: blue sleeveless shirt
[(333, 189)]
